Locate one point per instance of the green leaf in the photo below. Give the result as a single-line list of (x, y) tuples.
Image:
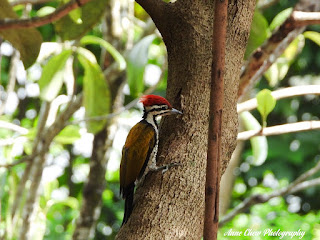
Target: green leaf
[(137, 61), (48, 189), (91, 14), (294, 48), (68, 135), (313, 36), (280, 67), (259, 144), (266, 103), (51, 79), (280, 18), (27, 41), (45, 11), (75, 15), (114, 52), (96, 92), (258, 33), (71, 202)]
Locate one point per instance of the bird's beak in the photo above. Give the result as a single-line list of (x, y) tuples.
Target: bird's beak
[(175, 111)]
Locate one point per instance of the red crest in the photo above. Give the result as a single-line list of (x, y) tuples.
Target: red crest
[(149, 100)]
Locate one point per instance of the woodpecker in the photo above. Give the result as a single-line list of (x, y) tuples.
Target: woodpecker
[(140, 149)]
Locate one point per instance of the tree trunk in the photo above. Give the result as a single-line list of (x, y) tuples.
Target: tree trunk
[(171, 205)]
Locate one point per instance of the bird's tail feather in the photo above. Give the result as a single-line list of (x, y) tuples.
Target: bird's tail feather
[(128, 203)]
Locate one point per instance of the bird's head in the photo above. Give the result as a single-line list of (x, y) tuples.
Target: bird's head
[(157, 106)]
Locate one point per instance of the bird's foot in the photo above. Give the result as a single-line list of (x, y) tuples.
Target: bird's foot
[(164, 168)]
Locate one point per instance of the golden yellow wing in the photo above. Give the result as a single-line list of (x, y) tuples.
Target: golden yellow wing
[(136, 151)]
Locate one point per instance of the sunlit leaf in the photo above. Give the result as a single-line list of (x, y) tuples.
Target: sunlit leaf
[(96, 93), (258, 33), (259, 144), (294, 48), (272, 74), (114, 53), (137, 61), (68, 135), (313, 36), (51, 79), (280, 18), (45, 11), (71, 202), (266, 103), (279, 69), (75, 15), (91, 14), (48, 188), (27, 41), (107, 195)]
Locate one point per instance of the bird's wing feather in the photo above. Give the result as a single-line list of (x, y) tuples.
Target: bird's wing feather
[(138, 146)]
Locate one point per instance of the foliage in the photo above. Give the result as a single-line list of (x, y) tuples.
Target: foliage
[(259, 144), (266, 103), (27, 41)]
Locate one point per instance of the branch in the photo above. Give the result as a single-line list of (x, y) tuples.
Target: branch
[(38, 163), (43, 115), (298, 185), (155, 8), (214, 149), (280, 129), (13, 127), (39, 21), (93, 189), (12, 79), (25, 2), (305, 18), (130, 105), (10, 165), (262, 58), (262, 5), (305, 185), (279, 94)]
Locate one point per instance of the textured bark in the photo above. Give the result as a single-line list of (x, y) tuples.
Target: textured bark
[(171, 205), (219, 37)]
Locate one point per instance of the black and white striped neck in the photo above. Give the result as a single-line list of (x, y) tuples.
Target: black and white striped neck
[(151, 119), (151, 112)]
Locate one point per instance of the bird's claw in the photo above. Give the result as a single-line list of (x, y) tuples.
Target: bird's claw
[(165, 168)]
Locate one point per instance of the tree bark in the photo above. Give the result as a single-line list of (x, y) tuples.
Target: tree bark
[(171, 205)]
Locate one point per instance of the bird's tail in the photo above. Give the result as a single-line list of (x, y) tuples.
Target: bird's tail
[(128, 203)]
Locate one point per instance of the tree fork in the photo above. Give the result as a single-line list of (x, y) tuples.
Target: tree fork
[(171, 205)]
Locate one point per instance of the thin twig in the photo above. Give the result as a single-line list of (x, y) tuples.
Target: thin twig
[(25, 2), (39, 21), (266, 4), (12, 78), (305, 18), (13, 127), (41, 150), (262, 58), (305, 185), (280, 129), (121, 110), (11, 165), (11, 141), (281, 93), (43, 115), (298, 185)]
